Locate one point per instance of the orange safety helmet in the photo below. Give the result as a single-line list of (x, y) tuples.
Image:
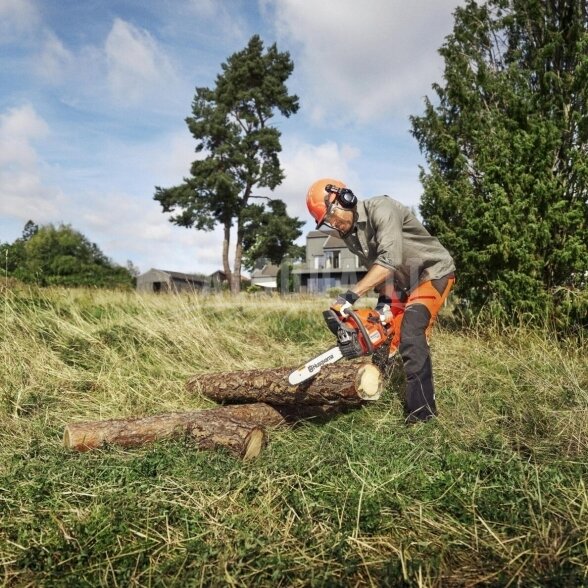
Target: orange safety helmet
[(318, 200)]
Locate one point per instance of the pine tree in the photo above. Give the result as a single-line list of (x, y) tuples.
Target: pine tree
[(240, 148), (269, 233), (506, 145)]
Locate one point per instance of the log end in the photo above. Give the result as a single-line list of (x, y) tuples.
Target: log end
[(369, 382), (254, 443), (76, 439)]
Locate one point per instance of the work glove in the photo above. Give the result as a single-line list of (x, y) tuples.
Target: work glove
[(384, 308), (344, 302)]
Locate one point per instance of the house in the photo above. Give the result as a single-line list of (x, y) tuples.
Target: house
[(329, 264), (160, 281), (265, 276)]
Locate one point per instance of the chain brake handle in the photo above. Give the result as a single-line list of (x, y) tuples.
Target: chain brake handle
[(370, 347)]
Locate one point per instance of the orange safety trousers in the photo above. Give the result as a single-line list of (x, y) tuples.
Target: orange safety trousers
[(414, 315), (431, 294)]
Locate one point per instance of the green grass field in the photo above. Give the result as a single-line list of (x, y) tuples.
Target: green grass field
[(492, 493)]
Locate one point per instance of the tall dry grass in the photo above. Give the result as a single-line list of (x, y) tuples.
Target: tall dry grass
[(492, 493)]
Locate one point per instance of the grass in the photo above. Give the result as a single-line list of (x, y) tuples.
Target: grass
[(493, 493)]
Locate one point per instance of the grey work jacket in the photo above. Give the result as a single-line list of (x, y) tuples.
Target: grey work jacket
[(388, 233)]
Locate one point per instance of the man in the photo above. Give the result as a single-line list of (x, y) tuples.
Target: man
[(409, 269)]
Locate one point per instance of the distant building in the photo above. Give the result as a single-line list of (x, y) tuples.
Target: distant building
[(329, 264), (265, 276), (162, 281)]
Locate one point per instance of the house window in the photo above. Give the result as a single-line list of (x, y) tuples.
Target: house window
[(336, 259), (318, 262)]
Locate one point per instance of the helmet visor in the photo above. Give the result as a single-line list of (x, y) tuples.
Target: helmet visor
[(331, 221)]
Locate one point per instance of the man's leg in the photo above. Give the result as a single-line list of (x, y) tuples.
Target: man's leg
[(397, 300), (420, 313), (384, 357)]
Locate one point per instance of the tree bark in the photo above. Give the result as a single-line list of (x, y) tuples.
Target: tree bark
[(240, 429), (236, 282), (343, 383), (226, 243)]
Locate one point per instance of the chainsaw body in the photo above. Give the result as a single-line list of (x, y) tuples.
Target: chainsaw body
[(359, 332)]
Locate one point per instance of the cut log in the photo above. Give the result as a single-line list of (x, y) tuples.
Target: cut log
[(240, 429), (344, 383)]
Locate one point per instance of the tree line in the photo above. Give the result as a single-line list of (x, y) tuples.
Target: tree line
[(505, 186), (61, 256)]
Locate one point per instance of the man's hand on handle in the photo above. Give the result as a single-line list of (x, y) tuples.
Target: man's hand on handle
[(384, 308), (344, 302)]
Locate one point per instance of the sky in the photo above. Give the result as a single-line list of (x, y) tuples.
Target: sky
[(94, 96)]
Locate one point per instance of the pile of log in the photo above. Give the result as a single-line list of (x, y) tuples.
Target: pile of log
[(251, 402)]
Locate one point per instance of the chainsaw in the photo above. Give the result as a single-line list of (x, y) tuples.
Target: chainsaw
[(359, 332)]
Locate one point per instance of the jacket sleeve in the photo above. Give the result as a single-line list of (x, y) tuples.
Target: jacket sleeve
[(387, 222)]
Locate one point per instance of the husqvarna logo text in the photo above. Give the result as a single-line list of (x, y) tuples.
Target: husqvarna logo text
[(318, 364)]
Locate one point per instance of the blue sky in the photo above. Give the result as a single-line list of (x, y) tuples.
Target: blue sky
[(95, 93)]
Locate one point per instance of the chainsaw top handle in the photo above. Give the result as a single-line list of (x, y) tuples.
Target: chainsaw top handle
[(370, 347)]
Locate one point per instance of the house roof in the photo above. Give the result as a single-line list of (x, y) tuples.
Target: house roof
[(322, 234), (334, 242), (182, 276), (267, 271)]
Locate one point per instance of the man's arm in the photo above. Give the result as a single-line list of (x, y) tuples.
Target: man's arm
[(388, 221), (375, 276)]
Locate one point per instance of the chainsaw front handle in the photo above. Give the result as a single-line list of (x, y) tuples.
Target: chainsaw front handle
[(362, 329)]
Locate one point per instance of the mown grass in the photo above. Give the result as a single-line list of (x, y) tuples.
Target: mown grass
[(492, 493)]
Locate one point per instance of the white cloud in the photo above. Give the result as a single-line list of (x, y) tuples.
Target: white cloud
[(366, 59), (168, 160), (122, 222), (217, 17), (22, 193), (136, 64), (55, 61), (128, 68), (18, 128), (124, 225), (205, 8), (304, 163), (18, 18)]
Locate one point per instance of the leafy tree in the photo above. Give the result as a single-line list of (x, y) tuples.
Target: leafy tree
[(13, 255), (30, 230), (239, 148), (60, 255), (507, 151), (269, 233)]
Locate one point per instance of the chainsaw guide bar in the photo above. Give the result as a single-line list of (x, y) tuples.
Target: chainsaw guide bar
[(313, 367), (358, 332)]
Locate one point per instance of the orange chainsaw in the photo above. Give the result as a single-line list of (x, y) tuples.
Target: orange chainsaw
[(359, 332)]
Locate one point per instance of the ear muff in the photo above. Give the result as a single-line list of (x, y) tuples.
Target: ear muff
[(344, 196), (347, 199)]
